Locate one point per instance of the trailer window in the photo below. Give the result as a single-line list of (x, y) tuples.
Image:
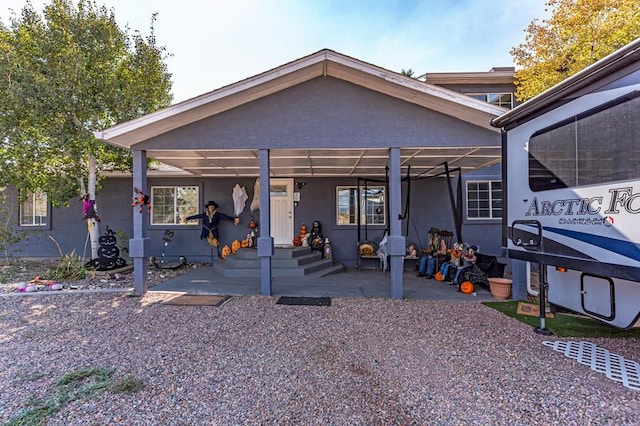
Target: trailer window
[(596, 147)]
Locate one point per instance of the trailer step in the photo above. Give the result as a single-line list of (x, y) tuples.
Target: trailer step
[(614, 366)]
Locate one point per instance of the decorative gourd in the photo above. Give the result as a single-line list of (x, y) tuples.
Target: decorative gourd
[(439, 276), (467, 287), (244, 243), (297, 241), (226, 251), (235, 246)]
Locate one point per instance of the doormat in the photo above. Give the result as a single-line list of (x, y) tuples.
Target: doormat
[(196, 300), (304, 301)]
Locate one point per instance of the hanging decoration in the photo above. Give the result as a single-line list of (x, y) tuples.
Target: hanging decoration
[(240, 197), (141, 199), (255, 203)]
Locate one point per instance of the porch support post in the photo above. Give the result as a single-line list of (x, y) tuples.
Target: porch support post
[(396, 241), (139, 244), (265, 241)]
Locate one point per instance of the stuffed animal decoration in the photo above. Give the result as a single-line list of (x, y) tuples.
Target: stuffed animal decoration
[(141, 199)]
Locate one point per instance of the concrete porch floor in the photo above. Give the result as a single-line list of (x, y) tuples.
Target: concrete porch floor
[(350, 283)]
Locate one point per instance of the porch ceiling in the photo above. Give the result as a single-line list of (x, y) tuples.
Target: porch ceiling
[(325, 162)]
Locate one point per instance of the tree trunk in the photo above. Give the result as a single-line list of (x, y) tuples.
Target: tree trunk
[(92, 223)]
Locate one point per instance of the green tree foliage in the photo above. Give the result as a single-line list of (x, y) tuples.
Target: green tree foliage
[(65, 73), (577, 34)]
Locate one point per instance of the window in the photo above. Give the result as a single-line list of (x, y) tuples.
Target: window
[(595, 147), (484, 200), (504, 100), (170, 205), (372, 205), (34, 210)]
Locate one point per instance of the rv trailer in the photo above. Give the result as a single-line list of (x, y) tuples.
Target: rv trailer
[(571, 169)]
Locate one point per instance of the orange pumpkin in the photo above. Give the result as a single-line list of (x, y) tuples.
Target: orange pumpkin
[(226, 251), (467, 287), (244, 243), (438, 276), (297, 241), (235, 246)]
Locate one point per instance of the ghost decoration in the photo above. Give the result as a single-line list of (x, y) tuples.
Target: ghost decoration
[(255, 204), (240, 198)]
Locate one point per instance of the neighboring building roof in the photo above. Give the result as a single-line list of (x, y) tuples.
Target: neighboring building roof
[(497, 75), (323, 63), (607, 65)]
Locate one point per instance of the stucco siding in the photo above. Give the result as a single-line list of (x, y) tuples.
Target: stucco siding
[(322, 113)]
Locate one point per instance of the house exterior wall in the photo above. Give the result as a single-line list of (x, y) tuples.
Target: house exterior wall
[(324, 113), (429, 207), (321, 113)]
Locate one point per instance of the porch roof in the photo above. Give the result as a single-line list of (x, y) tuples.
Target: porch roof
[(311, 162)]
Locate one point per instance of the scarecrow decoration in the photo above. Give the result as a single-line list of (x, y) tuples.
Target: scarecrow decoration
[(210, 220)]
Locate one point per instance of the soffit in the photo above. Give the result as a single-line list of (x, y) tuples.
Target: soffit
[(322, 162)]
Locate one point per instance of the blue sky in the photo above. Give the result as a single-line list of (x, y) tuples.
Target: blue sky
[(215, 43)]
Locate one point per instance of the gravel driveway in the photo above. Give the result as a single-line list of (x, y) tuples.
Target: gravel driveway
[(250, 361)]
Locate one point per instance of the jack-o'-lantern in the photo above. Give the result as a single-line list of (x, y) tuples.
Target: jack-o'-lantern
[(235, 246), (439, 276), (244, 243), (226, 251), (297, 241), (467, 287), (253, 224)]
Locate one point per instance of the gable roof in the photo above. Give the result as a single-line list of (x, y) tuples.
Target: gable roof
[(322, 63)]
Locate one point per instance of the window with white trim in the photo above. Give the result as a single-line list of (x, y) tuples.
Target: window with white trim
[(372, 205), (171, 205), (34, 210), (504, 100), (484, 199)]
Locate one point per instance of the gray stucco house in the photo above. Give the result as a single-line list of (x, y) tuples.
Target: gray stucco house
[(322, 135)]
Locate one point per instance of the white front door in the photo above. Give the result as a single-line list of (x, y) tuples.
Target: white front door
[(281, 196)]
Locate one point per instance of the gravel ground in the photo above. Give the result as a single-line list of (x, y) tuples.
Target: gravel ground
[(250, 361), (26, 271)]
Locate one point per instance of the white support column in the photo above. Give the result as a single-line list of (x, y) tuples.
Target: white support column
[(139, 244), (265, 241), (396, 241)]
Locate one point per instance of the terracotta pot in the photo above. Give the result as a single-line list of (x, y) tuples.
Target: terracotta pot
[(500, 288)]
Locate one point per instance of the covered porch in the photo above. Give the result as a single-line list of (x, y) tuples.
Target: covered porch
[(324, 116)]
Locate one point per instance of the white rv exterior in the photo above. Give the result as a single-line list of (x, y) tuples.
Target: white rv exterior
[(571, 168)]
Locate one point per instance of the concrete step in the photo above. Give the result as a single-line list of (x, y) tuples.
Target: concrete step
[(278, 253), (294, 262), (248, 261)]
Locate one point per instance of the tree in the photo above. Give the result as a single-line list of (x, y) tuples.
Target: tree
[(407, 72), (63, 75), (577, 34)]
